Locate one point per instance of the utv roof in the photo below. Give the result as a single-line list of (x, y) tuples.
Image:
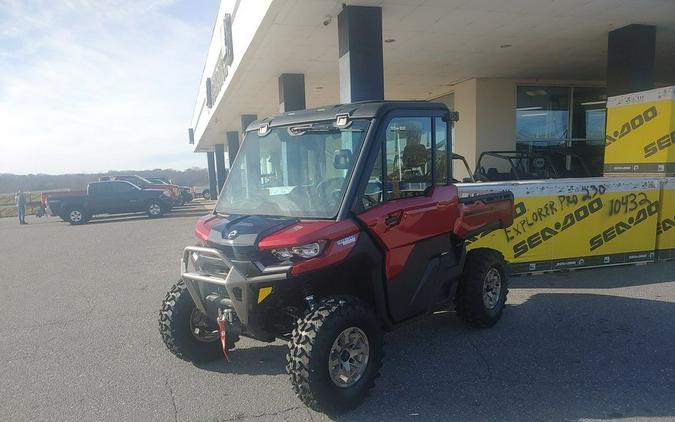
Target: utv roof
[(359, 110)]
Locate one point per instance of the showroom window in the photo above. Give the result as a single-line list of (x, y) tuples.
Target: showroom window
[(568, 120), (542, 114)]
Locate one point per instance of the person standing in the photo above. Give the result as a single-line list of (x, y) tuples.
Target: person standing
[(20, 199)]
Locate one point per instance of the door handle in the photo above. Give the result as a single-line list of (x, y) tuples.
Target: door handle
[(392, 219)]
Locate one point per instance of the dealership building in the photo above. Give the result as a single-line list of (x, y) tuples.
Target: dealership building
[(522, 74)]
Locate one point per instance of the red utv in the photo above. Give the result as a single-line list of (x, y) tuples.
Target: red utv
[(336, 225)]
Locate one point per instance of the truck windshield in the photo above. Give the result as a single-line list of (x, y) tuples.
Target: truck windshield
[(293, 171)]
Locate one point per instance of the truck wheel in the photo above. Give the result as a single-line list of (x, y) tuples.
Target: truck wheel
[(76, 215), (187, 332), (482, 290), (335, 354), (154, 209)]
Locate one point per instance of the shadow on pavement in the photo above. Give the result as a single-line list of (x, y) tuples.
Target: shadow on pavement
[(600, 278), (554, 357), (178, 212), (265, 359)]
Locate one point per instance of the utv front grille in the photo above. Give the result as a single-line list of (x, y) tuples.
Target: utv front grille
[(226, 275), (239, 253)]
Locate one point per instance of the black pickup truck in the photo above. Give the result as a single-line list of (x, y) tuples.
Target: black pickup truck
[(111, 197)]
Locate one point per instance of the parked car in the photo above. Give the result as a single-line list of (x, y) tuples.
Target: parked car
[(185, 192), (206, 193), (144, 183), (110, 197), (44, 196)]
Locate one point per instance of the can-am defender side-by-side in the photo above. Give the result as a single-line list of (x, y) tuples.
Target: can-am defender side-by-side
[(336, 225)]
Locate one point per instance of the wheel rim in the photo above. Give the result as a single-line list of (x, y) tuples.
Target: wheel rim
[(199, 327), (492, 288), (154, 209), (348, 357), (75, 216)]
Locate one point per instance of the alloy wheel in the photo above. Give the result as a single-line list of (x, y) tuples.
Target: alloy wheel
[(199, 326), (348, 358), (75, 216), (492, 288), (154, 209)]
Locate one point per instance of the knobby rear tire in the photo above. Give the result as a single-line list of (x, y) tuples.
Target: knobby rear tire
[(469, 302)]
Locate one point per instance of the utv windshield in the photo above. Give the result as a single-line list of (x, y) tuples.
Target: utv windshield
[(293, 171)]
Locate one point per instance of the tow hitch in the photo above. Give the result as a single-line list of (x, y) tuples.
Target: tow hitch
[(222, 329)]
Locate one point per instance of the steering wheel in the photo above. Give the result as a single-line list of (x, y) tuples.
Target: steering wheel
[(323, 187)]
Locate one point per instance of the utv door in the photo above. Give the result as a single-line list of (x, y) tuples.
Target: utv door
[(410, 211)]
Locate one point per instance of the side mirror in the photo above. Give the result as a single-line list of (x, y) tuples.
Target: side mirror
[(343, 159)]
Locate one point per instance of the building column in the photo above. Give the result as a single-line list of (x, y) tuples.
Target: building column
[(291, 92), (631, 56), (220, 166), (232, 147), (213, 183), (291, 97), (487, 119), (360, 54)]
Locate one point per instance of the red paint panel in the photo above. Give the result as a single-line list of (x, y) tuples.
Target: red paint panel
[(475, 215), (418, 218), (332, 254), (396, 259), (309, 231), (204, 225)]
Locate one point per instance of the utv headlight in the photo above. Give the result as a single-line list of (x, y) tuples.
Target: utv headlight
[(282, 254), (310, 250), (307, 251)]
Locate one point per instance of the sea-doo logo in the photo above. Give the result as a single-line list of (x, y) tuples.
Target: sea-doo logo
[(631, 125), (622, 227), (549, 232), (231, 235)]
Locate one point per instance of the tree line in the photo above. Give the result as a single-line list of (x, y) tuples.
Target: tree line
[(10, 183)]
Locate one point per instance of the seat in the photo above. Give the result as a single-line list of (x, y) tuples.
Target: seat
[(492, 174), (415, 156)]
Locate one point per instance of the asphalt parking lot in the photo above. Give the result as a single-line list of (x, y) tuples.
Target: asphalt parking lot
[(79, 341)]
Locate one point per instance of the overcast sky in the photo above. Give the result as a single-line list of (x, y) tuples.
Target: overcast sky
[(97, 85)]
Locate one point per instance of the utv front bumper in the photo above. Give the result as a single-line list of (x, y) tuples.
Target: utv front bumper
[(243, 293)]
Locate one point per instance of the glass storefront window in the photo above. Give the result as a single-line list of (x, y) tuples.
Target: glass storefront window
[(542, 115), (565, 122), (588, 114)]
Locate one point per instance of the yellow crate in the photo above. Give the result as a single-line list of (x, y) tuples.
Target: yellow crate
[(640, 133), (665, 229), (575, 223)]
